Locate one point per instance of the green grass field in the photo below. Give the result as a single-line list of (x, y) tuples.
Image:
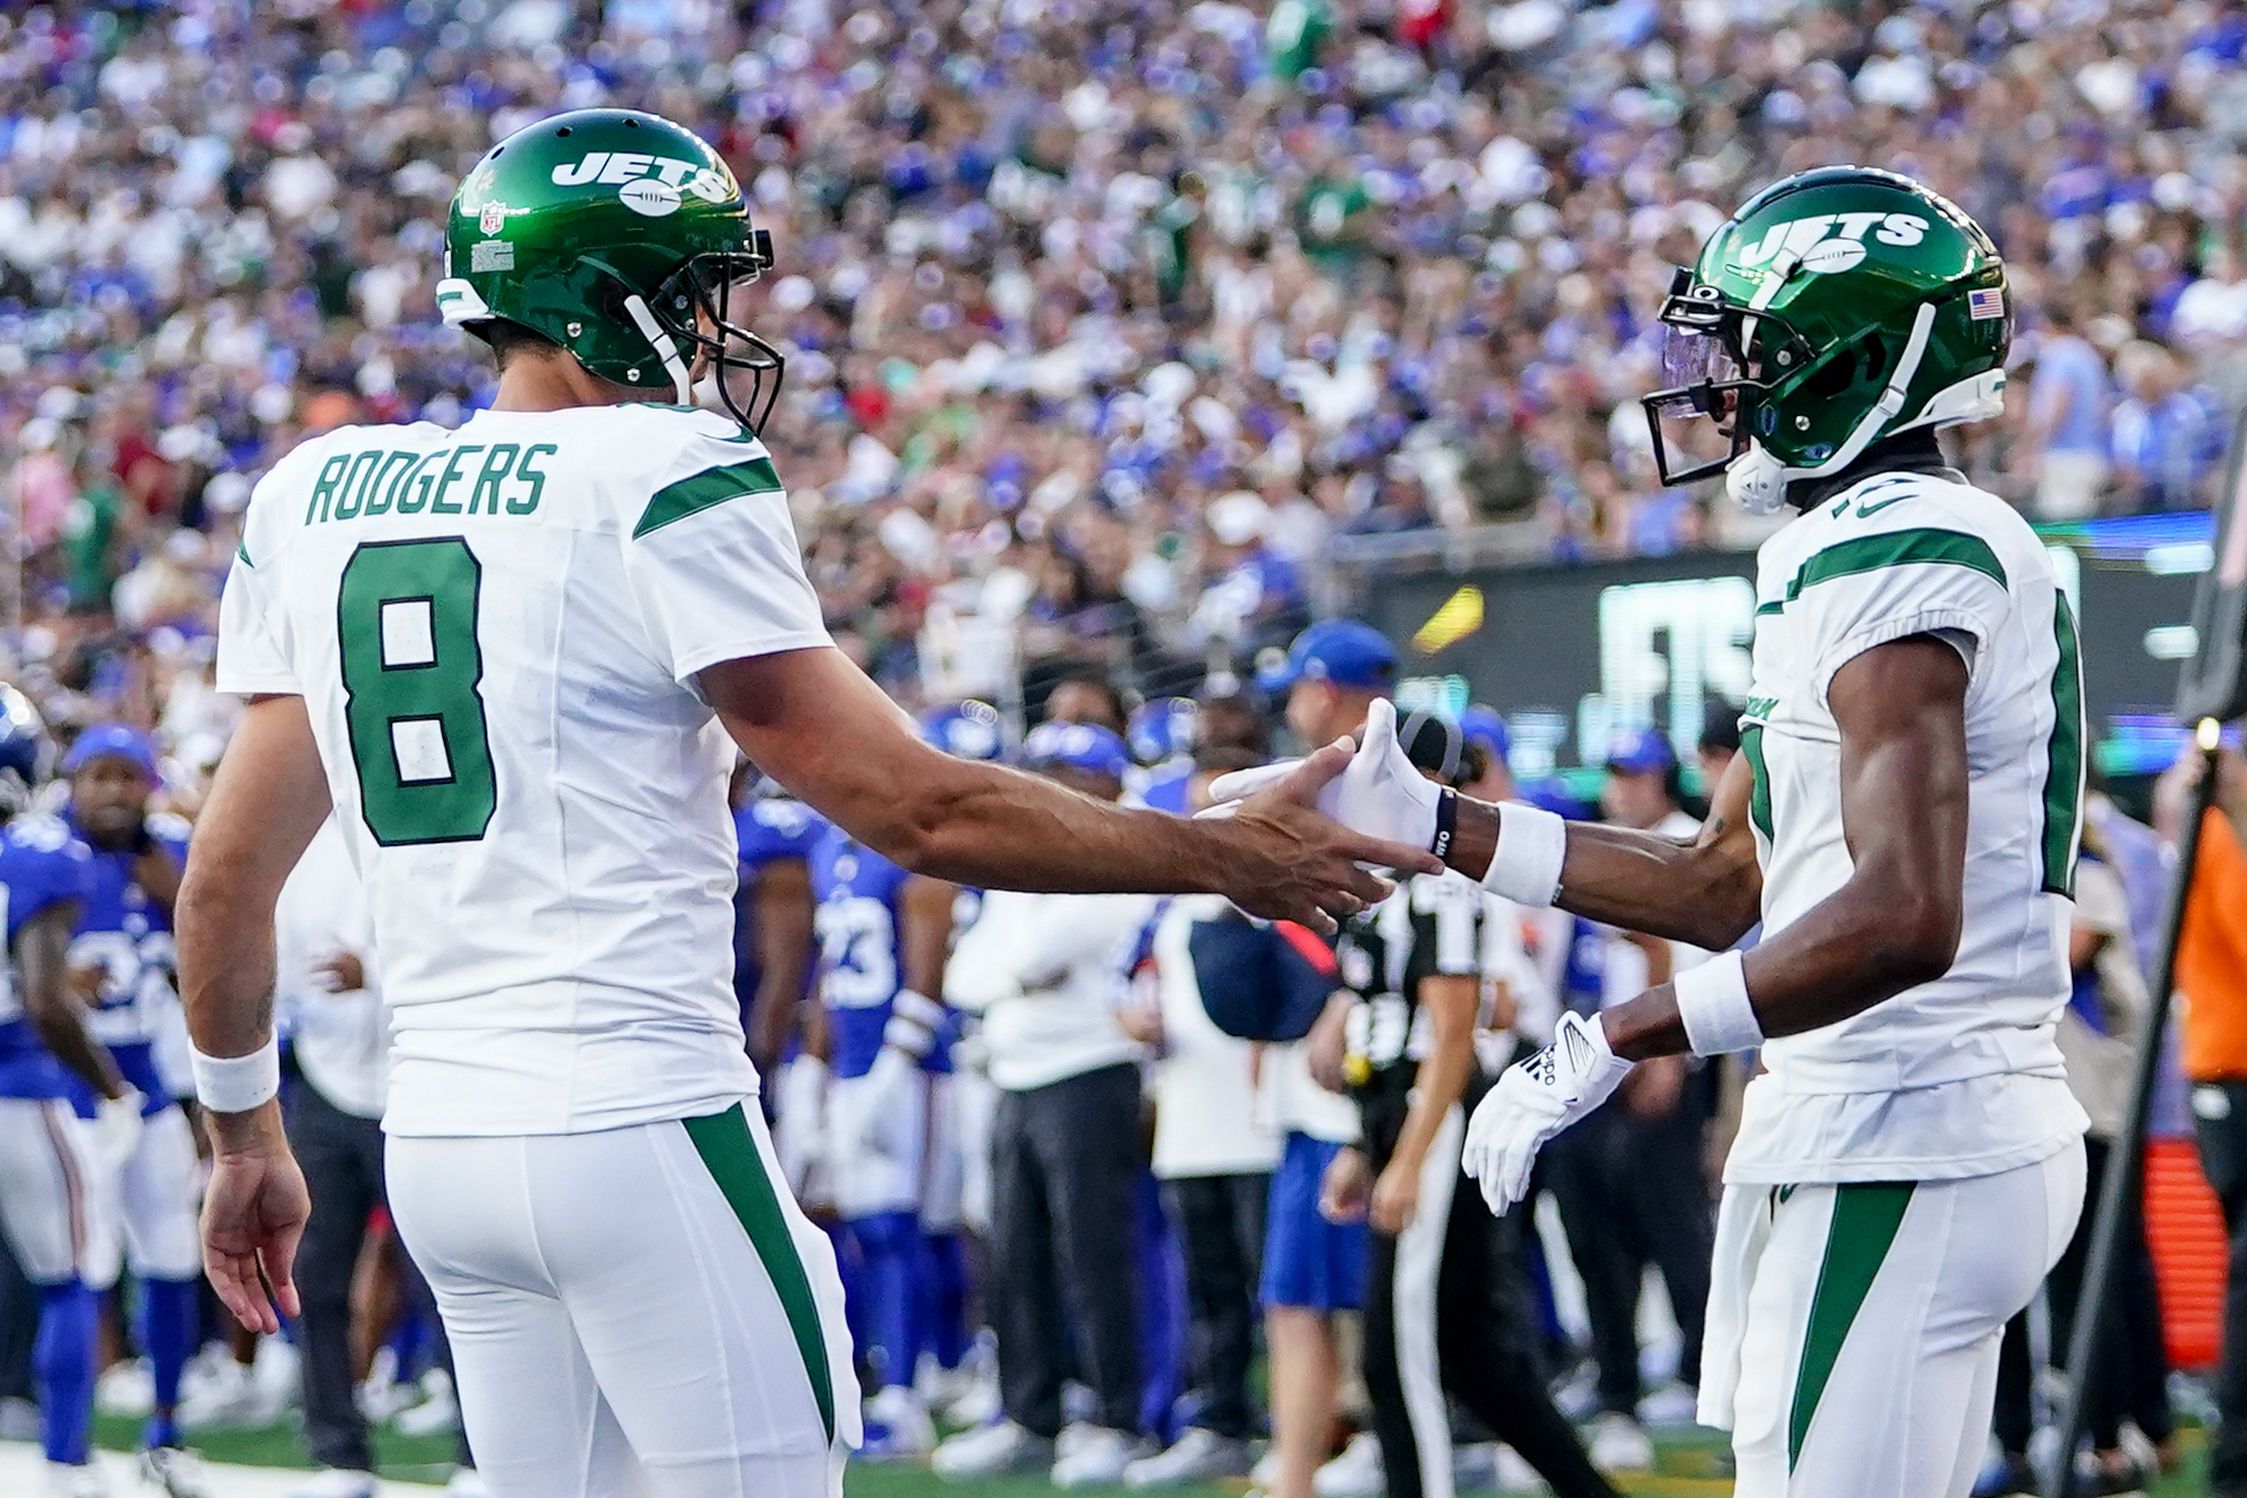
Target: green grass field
[(1688, 1468)]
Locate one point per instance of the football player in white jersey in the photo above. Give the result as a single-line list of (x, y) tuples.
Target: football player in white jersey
[(517, 659), (1903, 818)]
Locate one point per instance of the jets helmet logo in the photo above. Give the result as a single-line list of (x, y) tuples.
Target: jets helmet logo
[(650, 185), (1827, 242)]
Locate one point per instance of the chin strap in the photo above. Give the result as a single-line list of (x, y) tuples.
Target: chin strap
[(665, 346), (1759, 481)]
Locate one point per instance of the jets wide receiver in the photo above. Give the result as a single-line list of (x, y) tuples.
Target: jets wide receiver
[(517, 659), (1903, 818)]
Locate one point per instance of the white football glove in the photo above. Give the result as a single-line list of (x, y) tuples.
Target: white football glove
[(1536, 1099), (1380, 794), (894, 1085), (117, 1126), (800, 1125)]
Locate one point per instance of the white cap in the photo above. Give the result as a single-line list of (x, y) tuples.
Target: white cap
[(1238, 518)]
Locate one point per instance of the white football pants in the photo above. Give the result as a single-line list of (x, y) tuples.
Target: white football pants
[(1853, 1329), (641, 1311), (144, 1210), (48, 1177)]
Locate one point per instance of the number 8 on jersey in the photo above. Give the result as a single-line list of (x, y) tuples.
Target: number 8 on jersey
[(406, 617)]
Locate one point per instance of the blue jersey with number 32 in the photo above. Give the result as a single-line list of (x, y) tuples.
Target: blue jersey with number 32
[(41, 864), (128, 936)]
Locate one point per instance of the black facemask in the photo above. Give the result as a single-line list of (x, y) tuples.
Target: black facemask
[(704, 288)]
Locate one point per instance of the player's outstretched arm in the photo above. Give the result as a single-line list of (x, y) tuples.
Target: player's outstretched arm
[(815, 723), (1895, 923), (1705, 890), (267, 801)]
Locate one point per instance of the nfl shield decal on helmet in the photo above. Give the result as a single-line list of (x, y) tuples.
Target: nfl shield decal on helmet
[(493, 218)]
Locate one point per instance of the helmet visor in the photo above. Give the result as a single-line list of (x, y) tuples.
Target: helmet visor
[(1714, 355), (1696, 356)]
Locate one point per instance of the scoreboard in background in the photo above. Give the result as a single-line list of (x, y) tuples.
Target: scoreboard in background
[(1577, 656)]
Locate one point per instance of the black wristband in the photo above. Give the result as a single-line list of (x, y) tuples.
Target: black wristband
[(144, 841), (1447, 821)]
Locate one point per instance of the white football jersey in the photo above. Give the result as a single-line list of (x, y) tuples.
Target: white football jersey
[(1961, 1076), (496, 631)]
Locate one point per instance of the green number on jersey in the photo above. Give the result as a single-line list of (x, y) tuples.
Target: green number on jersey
[(406, 616)]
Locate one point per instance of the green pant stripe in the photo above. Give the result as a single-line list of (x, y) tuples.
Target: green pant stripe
[(1865, 1220), (730, 1155)]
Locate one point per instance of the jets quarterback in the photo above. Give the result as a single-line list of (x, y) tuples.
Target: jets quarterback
[(1903, 819), (517, 659)]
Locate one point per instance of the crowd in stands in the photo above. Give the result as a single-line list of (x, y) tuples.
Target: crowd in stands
[(1111, 326), (1106, 321)]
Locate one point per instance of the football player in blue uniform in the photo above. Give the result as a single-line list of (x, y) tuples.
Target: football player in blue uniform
[(965, 730), (776, 952), (884, 936), (121, 961), (775, 834), (49, 1160), (1162, 738)]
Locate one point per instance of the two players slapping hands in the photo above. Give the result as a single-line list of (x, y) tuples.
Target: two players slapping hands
[(1518, 853)]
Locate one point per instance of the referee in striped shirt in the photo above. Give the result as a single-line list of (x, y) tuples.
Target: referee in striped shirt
[(1446, 1310)]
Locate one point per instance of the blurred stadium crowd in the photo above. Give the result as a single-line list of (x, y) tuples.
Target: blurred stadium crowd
[(1111, 325), (1107, 320)]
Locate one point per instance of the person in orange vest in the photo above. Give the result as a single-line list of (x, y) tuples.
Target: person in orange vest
[(2212, 985)]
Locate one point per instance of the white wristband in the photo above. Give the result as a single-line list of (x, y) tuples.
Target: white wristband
[(1532, 843), (1712, 1000), (236, 1084)]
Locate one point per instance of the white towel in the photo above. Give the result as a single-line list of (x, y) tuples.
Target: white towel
[(1743, 1230)]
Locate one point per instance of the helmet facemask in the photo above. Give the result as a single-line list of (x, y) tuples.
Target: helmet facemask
[(693, 328), (1730, 362), (1715, 356)]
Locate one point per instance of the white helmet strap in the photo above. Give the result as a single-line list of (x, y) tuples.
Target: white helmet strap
[(1759, 481), (665, 346)]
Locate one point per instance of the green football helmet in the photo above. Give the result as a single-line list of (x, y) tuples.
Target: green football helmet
[(1838, 307), (623, 239)]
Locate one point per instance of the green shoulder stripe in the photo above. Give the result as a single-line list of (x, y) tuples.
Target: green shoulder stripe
[(1923, 546), (698, 492)]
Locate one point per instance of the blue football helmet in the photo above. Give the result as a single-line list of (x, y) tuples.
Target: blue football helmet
[(965, 730), (26, 753), (1161, 728)]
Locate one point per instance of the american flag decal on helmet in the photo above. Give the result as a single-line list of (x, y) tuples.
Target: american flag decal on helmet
[(1984, 304)]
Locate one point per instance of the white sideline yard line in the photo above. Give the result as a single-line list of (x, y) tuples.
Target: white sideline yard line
[(23, 1472)]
